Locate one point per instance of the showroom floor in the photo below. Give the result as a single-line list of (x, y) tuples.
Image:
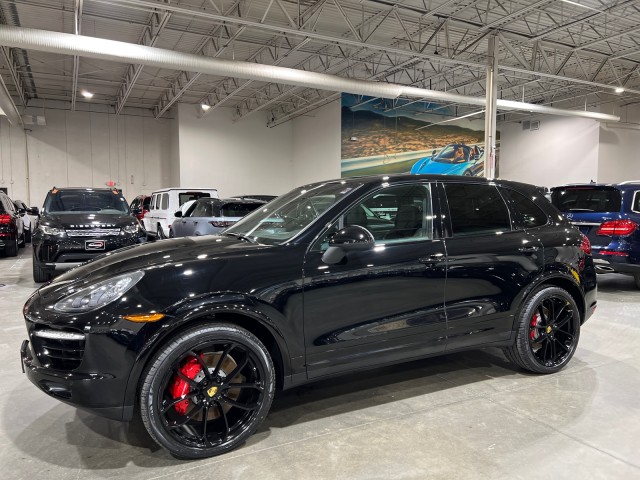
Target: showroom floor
[(459, 416)]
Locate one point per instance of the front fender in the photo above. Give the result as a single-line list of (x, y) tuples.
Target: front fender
[(192, 311)]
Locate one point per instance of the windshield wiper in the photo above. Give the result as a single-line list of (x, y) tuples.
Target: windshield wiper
[(241, 236)]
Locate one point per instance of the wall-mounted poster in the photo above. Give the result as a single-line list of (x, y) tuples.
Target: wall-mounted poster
[(397, 136)]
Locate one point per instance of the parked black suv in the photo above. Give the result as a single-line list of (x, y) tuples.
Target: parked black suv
[(77, 224), (11, 227), (198, 332)]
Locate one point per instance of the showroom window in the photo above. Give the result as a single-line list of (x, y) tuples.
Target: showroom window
[(532, 215), (392, 215), (476, 209), (165, 201)]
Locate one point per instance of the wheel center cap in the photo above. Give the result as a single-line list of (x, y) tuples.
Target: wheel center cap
[(549, 329), (212, 391)]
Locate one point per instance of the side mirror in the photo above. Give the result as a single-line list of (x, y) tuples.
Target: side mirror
[(350, 238), (33, 211), (21, 211), (178, 214), (433, 154), (136, 211)]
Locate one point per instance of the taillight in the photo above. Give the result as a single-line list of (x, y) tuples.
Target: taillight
[(222, 224), (620, 228), (585, 244), (4, 219)]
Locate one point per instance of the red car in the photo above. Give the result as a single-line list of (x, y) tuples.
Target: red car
[(140, 206), (11, 227)]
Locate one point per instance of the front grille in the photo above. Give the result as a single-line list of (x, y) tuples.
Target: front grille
[(94, 232), (58, 349)]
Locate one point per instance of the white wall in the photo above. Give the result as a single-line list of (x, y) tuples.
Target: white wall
[(316, 145), (86, 149), (245, 157), (563, 150), (619, 154)]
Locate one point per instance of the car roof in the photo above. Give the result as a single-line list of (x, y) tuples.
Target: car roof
[(204, 189), (402, 177), (229, 200), (87, 189), (629, 185)]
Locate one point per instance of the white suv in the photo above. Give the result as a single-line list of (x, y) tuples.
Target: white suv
[(165, 202)]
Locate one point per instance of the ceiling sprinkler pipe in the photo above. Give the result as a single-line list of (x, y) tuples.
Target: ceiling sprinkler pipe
[(122, 52)]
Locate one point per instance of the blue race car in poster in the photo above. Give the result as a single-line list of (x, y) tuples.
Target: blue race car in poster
[(454, 159)]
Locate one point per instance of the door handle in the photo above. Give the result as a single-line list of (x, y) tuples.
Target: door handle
[(430, 259), (531, 249)]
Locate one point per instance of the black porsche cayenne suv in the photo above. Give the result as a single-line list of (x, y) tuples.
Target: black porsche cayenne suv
[(199, 331), (78, 224)]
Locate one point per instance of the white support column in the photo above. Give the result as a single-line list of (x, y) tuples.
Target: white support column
[(491, 111)]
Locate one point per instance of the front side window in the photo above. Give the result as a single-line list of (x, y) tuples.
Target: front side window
[(202, 209), (476, 209), (85, 201), (409, 207)]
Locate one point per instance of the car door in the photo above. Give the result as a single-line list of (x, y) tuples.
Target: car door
[(380, 305), (490, 261), (149, 219), (193, 224)]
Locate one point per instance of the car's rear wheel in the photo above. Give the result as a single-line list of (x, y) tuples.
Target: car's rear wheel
[(161, 234), (468, 173), (27, 236), (548, 331), (11, 247), (636, 279), (40, 275), (23, 241), (207, 390)]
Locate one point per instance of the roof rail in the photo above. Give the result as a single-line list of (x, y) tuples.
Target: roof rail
[(629, 181)]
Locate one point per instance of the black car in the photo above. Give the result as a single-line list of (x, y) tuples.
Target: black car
[(11, 227), (78, 224), (199, 331)]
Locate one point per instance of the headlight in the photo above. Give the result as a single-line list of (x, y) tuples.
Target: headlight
[(98, 295), (131, 228), (51, 230)]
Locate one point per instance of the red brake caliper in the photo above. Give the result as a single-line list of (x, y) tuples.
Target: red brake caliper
[(535, 321), (180, 387)]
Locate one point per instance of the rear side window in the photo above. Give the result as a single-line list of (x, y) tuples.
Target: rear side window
[(476, 209), (587, 199), (635, 206), (146, 202), (532, 215), (165, 201)]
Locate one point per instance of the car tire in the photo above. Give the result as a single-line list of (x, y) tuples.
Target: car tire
[(215, 418), (27, 236), (23, 242), (11, 249), (548, 330), (160, 232), (40, 275), (467, 173), (636, 279)]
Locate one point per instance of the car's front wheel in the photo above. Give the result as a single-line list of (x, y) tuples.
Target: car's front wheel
[(207, 390), (636, 279), (11, 247), (548, 329)]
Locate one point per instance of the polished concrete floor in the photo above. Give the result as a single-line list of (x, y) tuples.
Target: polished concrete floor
[(458, 416)]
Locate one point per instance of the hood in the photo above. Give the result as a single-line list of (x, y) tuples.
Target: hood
[(86, 220), (158, 254), (442, 168)]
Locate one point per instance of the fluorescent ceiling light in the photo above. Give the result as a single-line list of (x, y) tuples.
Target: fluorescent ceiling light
[(205, 106), (619, 90), (86, 94)]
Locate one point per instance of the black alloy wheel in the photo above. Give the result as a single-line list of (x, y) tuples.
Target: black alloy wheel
[(207, 391), (23, 242), (27, 236), (161, 234), (40, 275), (548, 331)]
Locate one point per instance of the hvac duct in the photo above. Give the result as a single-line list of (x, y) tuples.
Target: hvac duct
[(68, 44)]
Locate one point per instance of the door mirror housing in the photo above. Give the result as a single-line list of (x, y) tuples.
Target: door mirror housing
[(350, 238), (178, 214), (433, 154), (136, 211), (21, 211), (33, 211)]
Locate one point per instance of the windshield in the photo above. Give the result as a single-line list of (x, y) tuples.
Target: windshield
[(86, 201), (587, 199), (286, 216), (453, 154)]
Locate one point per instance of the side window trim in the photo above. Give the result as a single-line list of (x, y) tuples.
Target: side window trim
[(633, 201)]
